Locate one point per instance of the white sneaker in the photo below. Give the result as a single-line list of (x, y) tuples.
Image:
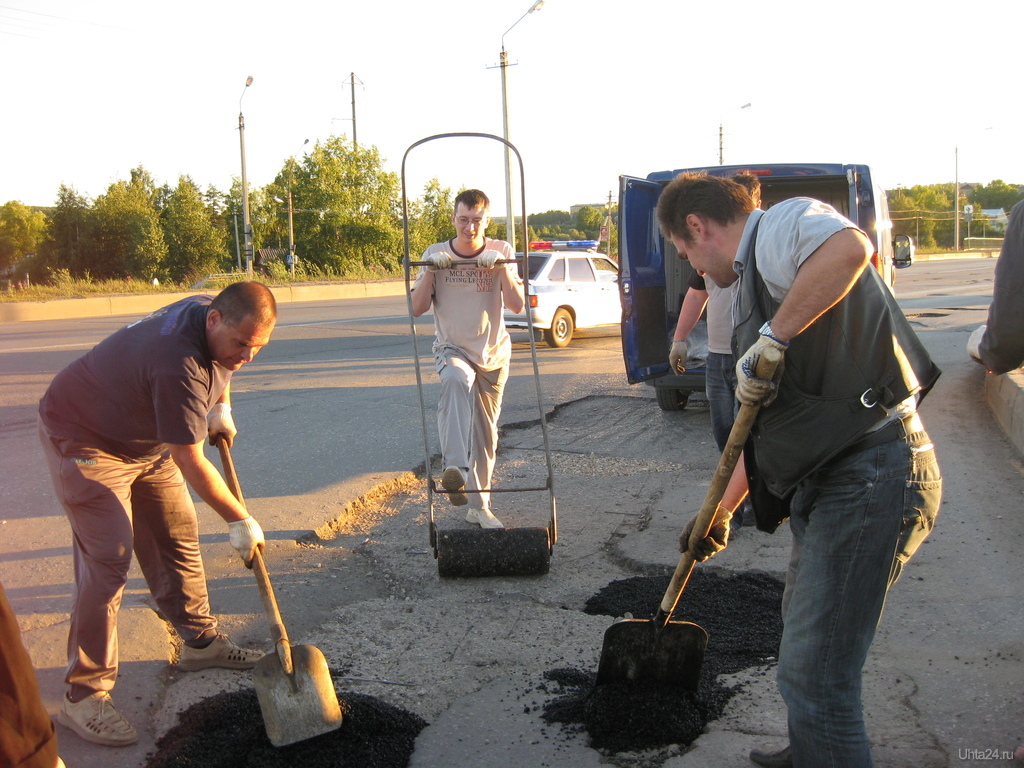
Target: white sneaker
[(483, 518), (220, 653), (95, 719), (454, 480)]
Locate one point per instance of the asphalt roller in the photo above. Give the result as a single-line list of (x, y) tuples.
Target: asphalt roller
[(479, 552)]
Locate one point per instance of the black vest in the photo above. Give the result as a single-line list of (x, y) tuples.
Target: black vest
[(841, 372)]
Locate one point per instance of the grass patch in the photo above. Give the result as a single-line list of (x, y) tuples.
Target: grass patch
[(62, 285)]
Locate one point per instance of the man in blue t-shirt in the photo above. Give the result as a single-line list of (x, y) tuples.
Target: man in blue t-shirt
[(122, 429)]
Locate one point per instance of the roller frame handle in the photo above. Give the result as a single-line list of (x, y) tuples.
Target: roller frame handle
[(465, 262), (278, 633), (741, 427)]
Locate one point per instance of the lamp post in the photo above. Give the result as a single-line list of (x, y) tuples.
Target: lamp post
[(510, 219), (956, 198), (246, 223), (956, 191), (720, 128)]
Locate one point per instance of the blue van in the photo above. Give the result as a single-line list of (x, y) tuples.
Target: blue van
[(653, 280)]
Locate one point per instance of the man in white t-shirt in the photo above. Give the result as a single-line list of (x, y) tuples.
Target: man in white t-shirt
[(467, 289)]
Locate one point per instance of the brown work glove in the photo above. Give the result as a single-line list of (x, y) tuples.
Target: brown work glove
[(716, 540)]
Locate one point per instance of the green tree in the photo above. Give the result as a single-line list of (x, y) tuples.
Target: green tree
[(21, 232), (70, 242), (588, 221), (553, 219), (430, 218), (348, 217), (127, 230), (194, 246), (925, 212), (997, 194)]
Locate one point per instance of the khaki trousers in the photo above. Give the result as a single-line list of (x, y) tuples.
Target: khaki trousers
[(467, 421), (115, 507)]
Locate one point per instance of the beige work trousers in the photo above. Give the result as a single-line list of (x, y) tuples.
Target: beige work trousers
[(467, 421), (116, 506)]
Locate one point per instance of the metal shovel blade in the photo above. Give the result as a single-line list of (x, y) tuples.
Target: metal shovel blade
[(642, 651), (301, 705), (493, 552)]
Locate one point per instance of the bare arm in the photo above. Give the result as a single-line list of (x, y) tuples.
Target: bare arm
[(825, 277), (423, 294), (511, 292), (693, 304), (202, 475)]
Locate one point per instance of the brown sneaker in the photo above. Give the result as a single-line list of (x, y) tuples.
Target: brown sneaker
[(95, 719), (454, 479), (220, 653)]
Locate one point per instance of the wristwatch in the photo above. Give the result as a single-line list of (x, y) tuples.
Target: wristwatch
[(766, 330)]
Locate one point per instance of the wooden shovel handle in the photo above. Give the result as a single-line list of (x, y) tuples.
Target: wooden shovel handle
[(278, 633), (766, 366)]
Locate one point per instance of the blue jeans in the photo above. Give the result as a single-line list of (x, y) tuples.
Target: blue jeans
[(855, 524), (720, 386)]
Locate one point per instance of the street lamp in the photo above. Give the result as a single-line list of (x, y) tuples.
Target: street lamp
[(956, 195), (510, 220), (246, 223), (745, 106)]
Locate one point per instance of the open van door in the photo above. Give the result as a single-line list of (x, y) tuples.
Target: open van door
[(641, 280)]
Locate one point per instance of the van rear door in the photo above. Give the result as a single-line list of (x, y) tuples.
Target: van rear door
[(641, 280)]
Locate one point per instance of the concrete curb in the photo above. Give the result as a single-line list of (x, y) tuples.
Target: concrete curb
[(1005, 395), (101, 306)]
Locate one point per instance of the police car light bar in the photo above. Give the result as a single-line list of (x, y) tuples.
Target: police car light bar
[(564, 245)]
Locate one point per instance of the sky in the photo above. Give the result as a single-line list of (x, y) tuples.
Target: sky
[(921, 91)]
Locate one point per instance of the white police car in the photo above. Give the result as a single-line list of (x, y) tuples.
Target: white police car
[(570, 286)]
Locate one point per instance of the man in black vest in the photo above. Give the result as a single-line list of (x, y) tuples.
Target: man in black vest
[(837, 446)]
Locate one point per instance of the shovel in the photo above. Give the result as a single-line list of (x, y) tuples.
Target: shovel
[(293, 685), (661, 650)]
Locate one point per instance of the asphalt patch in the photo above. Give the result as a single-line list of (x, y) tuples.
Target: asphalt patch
[(742, 615), (226, 731)]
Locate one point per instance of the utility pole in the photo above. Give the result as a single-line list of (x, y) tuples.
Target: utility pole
[(353, 81), (291, 236), (246, 222), (355, 141)]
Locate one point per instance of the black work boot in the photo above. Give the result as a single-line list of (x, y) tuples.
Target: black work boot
[(783, 758)]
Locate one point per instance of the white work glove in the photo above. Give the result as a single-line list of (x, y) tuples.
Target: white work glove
[(487, 259), (751, 390), (716, 540), (974, 343), (245, 536), (439, 260), (677, 356), (219, 422)]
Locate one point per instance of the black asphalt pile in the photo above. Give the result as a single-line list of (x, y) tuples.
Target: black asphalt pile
[(741, 614), (226, 731)]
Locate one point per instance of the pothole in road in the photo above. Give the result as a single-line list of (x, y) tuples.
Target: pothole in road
[(742, 615), (227, 731)]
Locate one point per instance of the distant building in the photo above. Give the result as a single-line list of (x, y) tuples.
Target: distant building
[(574, 209), (997, 219)]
